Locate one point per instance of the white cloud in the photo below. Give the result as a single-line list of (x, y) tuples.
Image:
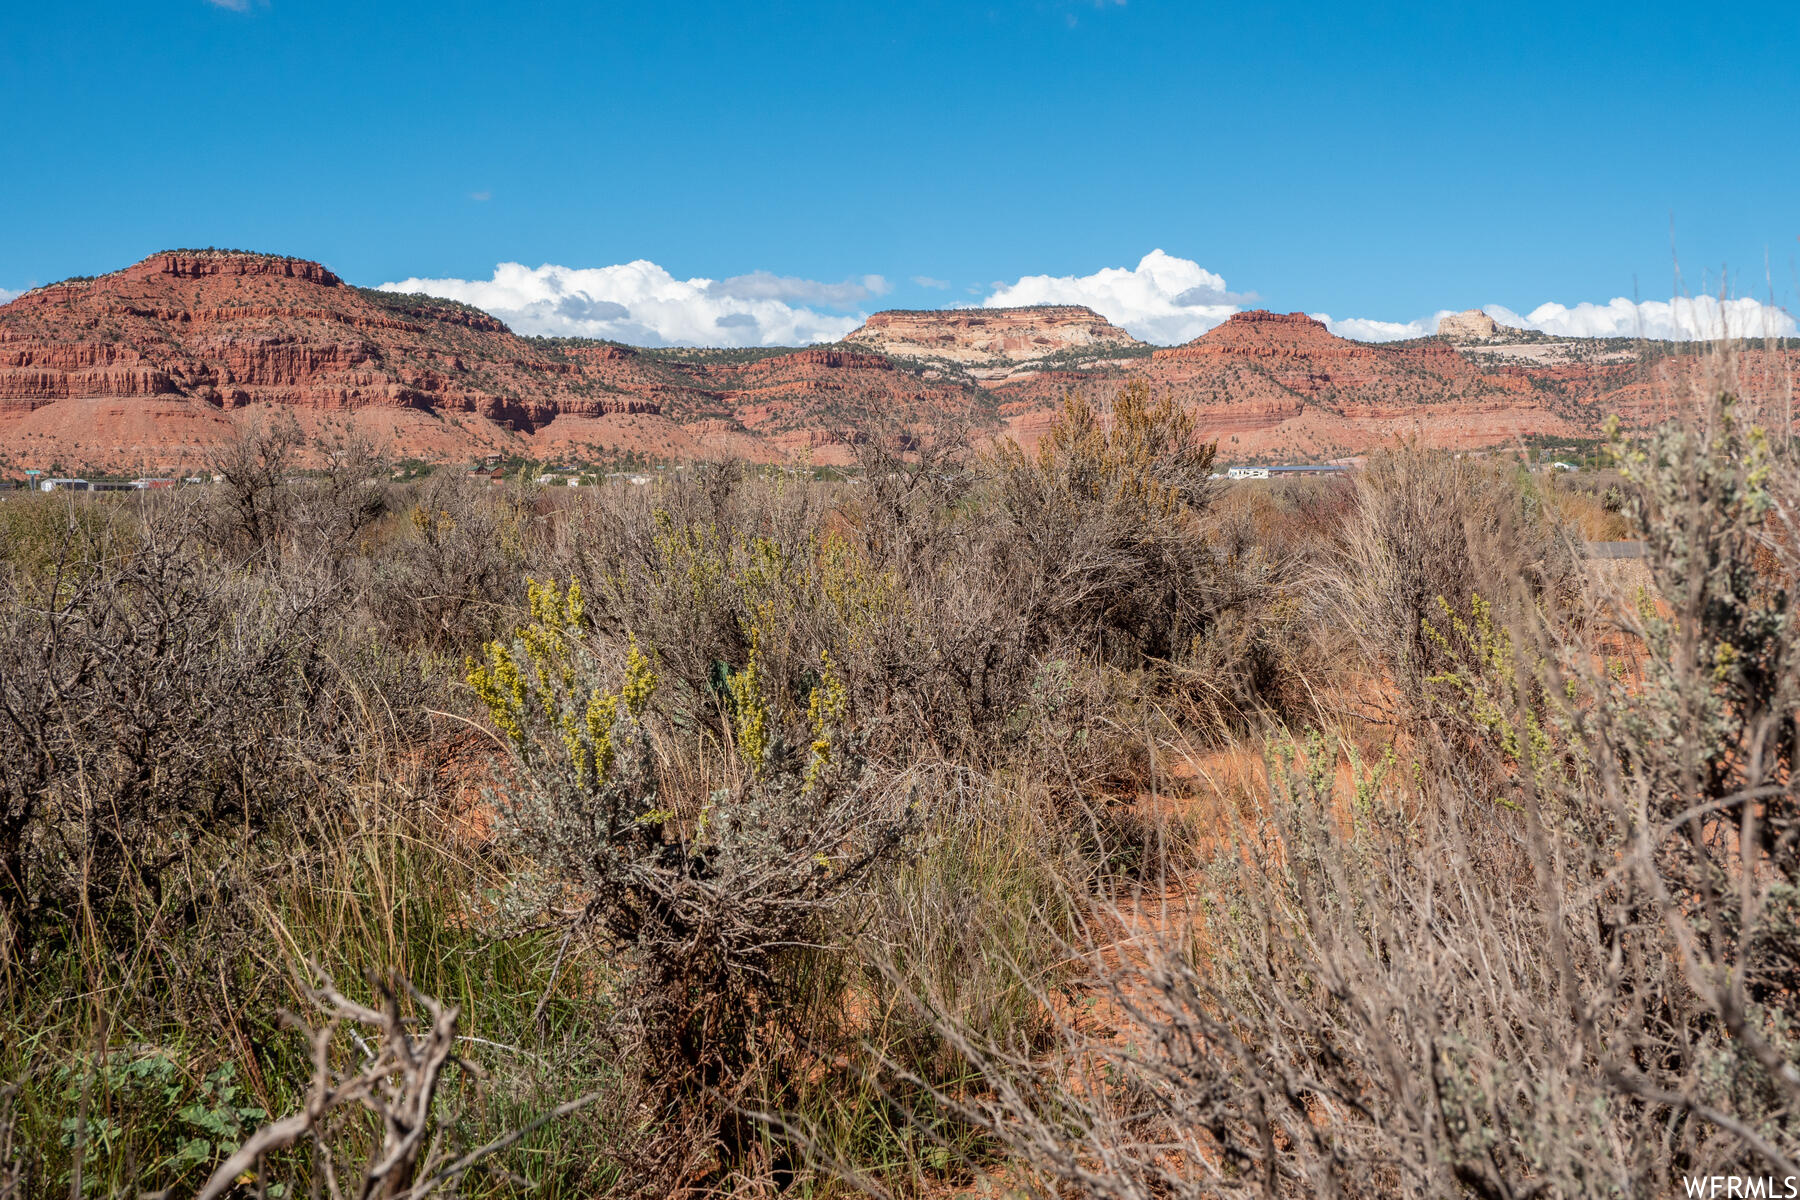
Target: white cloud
[(643, 304), (8, 296), (233, 5), (1365, 329), (1163, 299), (1683, 318), (926, 281), (1167, 300)]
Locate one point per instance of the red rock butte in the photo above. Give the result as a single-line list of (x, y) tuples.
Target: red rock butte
[(150, 367)]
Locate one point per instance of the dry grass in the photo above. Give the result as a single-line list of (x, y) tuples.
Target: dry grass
[(1056, 822)]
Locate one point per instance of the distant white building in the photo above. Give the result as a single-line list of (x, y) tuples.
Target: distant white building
[(68, 485), (1291, 469)]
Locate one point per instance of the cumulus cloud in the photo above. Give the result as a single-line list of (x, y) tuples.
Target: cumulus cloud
[(1367, 329), (6, 295), (1163, 299), (1167, 300), (1683, 318), (641, 303)]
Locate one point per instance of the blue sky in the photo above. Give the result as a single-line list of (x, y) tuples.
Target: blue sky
[(1370, 161)]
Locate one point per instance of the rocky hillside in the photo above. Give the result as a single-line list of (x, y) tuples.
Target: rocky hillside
[(147, 368), (1274, 386)]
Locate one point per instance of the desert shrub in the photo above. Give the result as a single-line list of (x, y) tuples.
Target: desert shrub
[(718, 900), (1260, 655), (263, 505), (44, 533), (254, 470), (150, 704), (673, 566), (944, 590), (1431, 528), (1102, 527), (390, 1118), (1113, 549), (344, 495), (707, 591), (1594, 511), (1286, 519), (1556, 956), (913, 492), (1695, 763), (974, 922), (926, 652), (449, 577)]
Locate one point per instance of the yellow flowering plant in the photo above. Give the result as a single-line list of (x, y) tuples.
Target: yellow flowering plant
[(542, 691), (701, 893)]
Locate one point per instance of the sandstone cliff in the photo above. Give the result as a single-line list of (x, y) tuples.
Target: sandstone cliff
[(990, 337), (1281, 385), (1470, 326), (93, 372), (148, 367)]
